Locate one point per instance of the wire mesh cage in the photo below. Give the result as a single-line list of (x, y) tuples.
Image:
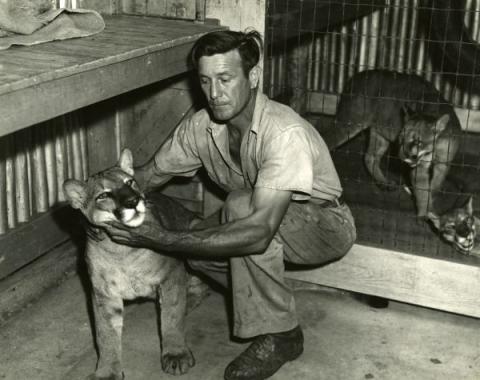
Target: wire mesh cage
[(393, 86)]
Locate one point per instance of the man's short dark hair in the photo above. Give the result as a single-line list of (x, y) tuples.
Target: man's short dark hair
[(249, 45)]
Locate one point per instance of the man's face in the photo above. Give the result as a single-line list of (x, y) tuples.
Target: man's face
[(225, 85)]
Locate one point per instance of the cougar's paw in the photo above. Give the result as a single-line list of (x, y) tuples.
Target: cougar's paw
[(178, 364), (421, 220)]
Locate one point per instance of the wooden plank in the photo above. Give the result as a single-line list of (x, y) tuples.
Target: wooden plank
[(72, 86), (103, 6), (159, 34), (26, 285), (30, 105), (100, 122), (149, 115), (404, 277), (30, 240)]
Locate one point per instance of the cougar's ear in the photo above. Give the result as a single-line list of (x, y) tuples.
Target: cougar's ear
[(441, 123), (469, 206), (126, 161), (75, 192), (434, 219)]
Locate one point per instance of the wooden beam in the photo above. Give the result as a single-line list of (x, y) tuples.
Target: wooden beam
[(404, 277), (26, 285), (30, 240), (295, 18)]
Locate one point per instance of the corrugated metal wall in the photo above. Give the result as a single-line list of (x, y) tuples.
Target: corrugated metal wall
[(389, 38), (34, 162)]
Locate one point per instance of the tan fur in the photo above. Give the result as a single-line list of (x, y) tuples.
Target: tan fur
[(120, 272), (402, 108), (459, 227)]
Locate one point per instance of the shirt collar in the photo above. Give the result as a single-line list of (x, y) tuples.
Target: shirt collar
[(260, 104)]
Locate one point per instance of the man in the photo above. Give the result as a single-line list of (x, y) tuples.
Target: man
[(284, 199)]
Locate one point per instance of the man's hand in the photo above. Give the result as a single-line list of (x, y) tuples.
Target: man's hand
[(148, 235)]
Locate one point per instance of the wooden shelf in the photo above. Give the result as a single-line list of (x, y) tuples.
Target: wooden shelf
[(40, 82)]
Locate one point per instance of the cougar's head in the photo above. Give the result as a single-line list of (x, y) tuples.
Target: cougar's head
[(457, 226), (109, 195), (418, 136)]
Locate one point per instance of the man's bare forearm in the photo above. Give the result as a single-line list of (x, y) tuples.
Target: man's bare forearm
[(227, 240)]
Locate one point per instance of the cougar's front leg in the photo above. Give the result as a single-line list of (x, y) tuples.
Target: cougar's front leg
[(172, 296), (439, 172), (420, 179), (108, 328), (377, 147)]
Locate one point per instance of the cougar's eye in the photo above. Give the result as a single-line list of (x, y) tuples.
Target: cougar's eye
[(103, 196), (129, 182)]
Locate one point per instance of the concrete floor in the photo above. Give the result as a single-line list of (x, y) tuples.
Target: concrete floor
[(344, 339)]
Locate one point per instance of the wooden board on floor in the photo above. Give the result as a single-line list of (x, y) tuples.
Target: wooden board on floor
[(404, 277), (27, 284), (30, 240)]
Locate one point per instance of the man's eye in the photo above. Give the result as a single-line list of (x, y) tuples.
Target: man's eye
[(224, 80), (103, 196), (129, 182)]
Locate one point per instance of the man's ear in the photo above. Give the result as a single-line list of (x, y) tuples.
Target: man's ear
[(254, 76)]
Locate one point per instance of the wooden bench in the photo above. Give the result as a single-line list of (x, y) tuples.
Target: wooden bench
[(40, 82)]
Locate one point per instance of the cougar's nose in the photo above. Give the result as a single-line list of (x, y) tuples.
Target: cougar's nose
[(128, 198), (131, 202)]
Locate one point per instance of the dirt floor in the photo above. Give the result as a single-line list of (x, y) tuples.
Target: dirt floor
[(344, 339)]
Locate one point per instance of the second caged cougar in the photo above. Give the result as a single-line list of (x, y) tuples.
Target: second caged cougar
[(404, 109), (119, 272)]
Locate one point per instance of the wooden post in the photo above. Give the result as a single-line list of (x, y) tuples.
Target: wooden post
[(3, 186)]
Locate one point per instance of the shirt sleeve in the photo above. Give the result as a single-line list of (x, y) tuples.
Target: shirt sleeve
[(287, 163), (178, 156)]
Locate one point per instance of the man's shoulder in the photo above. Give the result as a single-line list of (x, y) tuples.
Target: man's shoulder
[(200, 118), (281, 117)]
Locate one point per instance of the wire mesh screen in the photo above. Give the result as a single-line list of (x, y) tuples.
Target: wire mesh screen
[(393, 86)]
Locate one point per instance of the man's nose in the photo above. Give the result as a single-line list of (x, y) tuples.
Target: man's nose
[(214, 91)]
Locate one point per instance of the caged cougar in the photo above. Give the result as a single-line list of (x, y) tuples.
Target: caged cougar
[(459, 227), (455, 221), (399, 108), (119, 272)]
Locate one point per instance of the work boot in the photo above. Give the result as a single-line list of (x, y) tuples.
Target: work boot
[(266, 355)]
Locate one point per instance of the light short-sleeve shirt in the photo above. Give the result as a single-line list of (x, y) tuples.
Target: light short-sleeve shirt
[(281, 151)]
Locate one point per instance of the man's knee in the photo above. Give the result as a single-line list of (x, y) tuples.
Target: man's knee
[(237, 205)]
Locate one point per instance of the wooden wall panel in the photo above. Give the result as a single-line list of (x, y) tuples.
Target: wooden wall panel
[(147, 116), (238, 15), (103, 6), (181, 9)]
